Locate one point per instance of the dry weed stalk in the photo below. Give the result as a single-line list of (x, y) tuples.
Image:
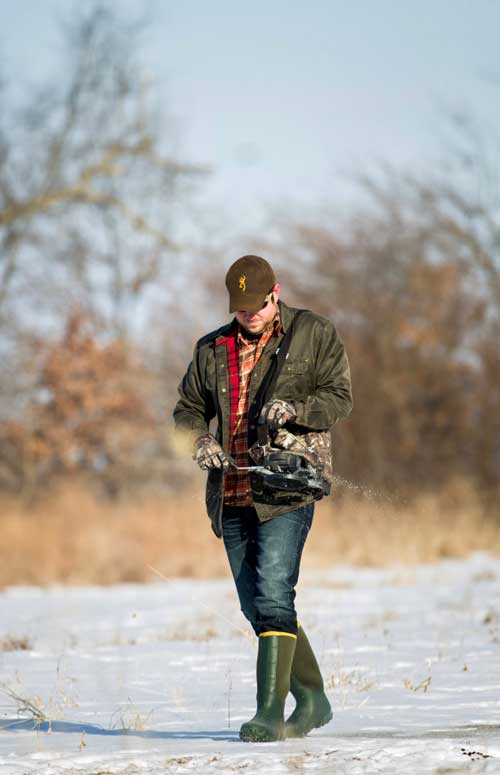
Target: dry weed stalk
[(424, 684), (350, 679), (130, 718), (33, 707)]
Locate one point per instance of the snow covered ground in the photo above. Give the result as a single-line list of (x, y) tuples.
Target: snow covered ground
[(158, 678)]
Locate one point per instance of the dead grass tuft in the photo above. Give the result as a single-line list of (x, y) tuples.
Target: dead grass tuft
[(11, 643), (201, 630), (356, 680)]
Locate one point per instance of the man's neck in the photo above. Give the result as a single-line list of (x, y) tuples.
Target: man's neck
[(249, 336)]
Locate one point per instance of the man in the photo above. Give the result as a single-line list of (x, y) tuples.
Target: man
[(264, 541)]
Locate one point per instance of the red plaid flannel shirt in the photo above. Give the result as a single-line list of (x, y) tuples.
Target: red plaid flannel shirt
[(242, 359)]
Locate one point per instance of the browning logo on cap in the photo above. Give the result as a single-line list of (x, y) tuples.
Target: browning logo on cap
[(249, 280)]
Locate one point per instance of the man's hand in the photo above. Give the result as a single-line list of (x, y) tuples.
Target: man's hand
[(208, 453), (276, 413)]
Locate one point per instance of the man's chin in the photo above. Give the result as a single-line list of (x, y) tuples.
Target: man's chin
[(254, 329)]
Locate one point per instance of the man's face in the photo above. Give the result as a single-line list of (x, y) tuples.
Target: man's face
[(255, 322)]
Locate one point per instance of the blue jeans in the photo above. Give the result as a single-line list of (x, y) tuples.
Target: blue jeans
[(265, 561)]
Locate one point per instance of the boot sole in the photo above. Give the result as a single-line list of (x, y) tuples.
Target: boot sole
[(321, 723), (258, 734)]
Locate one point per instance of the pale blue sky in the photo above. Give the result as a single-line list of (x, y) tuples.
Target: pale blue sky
[(281, 97)]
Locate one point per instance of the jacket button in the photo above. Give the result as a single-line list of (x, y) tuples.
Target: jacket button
[(223, 390), (252, 427)]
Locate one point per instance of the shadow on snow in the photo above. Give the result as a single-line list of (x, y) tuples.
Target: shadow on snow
[(17, 725)]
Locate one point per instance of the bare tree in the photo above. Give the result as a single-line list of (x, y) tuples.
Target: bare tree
[(91, 188), (89, 178)]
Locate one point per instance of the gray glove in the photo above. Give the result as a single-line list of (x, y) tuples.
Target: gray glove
[(277, 412), (208, 453)]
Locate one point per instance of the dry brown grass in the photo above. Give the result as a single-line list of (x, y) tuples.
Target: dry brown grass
[(364, 532), (73, 538)]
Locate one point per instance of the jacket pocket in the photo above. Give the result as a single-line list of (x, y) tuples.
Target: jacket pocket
[(296, 366), (295, 379)]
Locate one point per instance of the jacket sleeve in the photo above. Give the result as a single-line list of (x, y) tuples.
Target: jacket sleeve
[(195, 407), (332, 397)]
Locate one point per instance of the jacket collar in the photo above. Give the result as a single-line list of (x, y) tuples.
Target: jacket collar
[(286, 316)]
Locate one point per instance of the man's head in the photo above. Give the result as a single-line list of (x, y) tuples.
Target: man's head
[(253, 292)]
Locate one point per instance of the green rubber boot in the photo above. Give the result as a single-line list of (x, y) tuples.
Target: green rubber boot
[(274, 662), (306, 684)]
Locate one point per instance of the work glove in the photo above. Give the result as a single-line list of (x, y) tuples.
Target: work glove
[(276, 413), (208, 453)]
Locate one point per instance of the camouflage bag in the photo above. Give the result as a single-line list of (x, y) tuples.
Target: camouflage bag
[(291, 466)]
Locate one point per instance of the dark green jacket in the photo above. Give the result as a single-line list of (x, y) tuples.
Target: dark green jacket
[(315, 377)]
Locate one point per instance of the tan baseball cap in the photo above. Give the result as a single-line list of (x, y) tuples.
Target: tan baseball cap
[(248, 281)]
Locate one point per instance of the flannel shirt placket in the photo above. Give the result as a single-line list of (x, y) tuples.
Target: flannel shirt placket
[(237, 490)]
